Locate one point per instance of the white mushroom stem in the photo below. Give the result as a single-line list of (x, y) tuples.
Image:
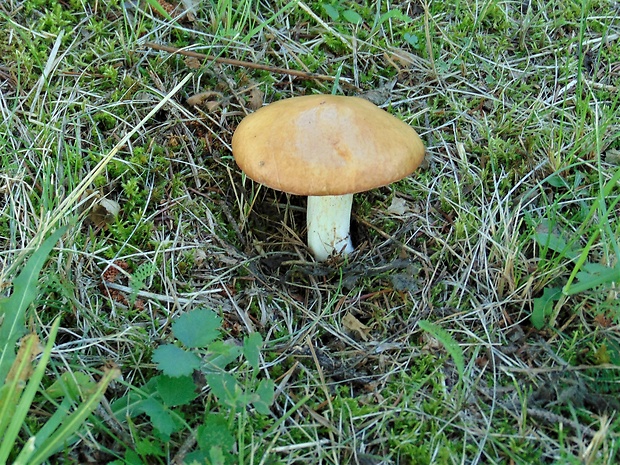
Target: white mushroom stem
[(329, 220)]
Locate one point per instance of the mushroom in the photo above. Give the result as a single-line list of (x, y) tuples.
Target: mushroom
[(328, 148)]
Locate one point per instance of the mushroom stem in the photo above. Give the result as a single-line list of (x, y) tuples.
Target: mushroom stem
[(329, 220)]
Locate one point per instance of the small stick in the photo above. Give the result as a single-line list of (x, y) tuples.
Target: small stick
[(244, 64)]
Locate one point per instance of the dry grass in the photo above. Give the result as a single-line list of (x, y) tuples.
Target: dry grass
[(511, 94)]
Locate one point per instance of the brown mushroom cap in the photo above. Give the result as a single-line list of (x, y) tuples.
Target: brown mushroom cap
[(325, 145)]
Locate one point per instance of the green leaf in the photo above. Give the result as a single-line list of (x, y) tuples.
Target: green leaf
[(412, 39), (543, 306), (198, 457), (13, 309), (331, 11), (265, 393), (197, 328), (129, 405), (225, 388), (222, 353), (352, 17), (72, 385), (217, 456), (12, 391), (593, 275), (448, 342), (214, 431), (174, 361), (131, 458), (556, 180), (160, 416), (176, 391), (160, 9), (146, 446), (251, 349), (61, 412), (553, 241), (394, 14), (138, 279)]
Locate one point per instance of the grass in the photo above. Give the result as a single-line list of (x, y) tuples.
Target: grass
[(504, 244)]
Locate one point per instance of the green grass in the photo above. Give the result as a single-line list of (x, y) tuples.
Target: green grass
[(505, 243)]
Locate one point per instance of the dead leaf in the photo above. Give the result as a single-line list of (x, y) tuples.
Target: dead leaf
[(398, 206), (191, 6), (29, 349), (603, 320), (354, 325), (202, 97), (612, 156), (212, 105), (192, 62), (256, 98), (199, 257), (380, 95), (103, 212)]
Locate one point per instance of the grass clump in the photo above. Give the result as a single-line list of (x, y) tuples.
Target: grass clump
[(477, 321)]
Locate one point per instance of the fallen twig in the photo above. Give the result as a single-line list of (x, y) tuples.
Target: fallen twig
[(244, 64)]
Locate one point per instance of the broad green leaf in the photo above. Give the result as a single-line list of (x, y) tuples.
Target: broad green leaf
[(543, 306), (217, 455), (448, 342), (352, 17), (174, 391), (174, 361), (145, 446), (265, 393), (225, 388), (556, 180), (131, 458), (71, 384), (412, 39), (214, 431), (197, 328), (198, 457), (129, 405), (13, 309), (222, 353), (551, 241), (394, 14), (331, 11), (251, 349), (547, 239), (160, 416)]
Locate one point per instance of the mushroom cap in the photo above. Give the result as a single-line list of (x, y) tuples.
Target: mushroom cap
[(325, 145)]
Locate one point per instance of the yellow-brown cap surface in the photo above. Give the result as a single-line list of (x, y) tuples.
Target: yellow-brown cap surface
[(325, 145)]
